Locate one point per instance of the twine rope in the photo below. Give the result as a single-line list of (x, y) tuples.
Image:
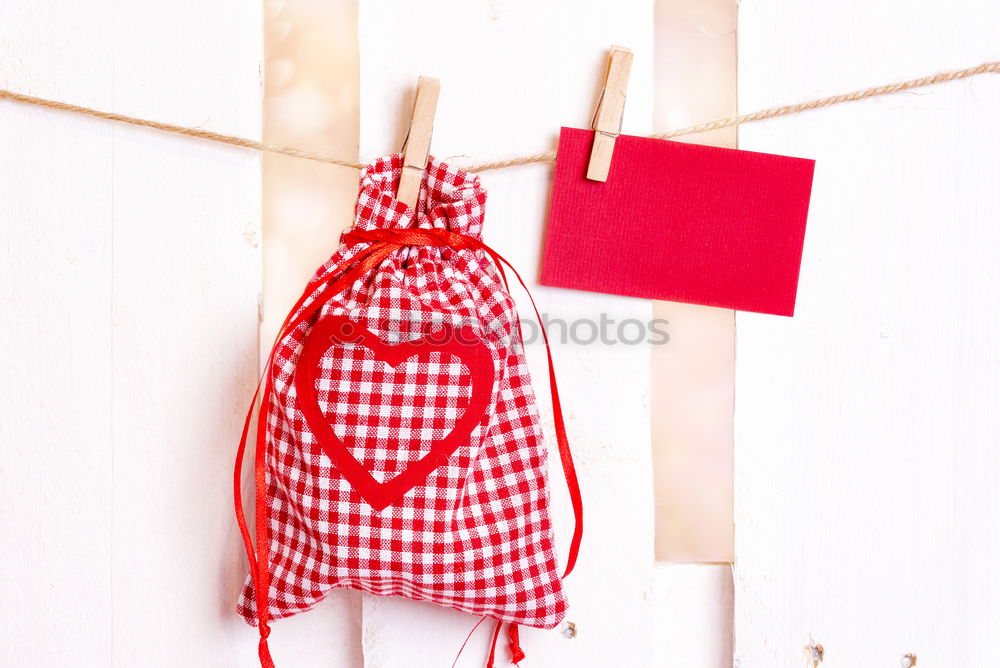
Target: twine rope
[(544, 157)]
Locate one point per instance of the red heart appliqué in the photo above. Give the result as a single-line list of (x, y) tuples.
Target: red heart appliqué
[(339, 330)]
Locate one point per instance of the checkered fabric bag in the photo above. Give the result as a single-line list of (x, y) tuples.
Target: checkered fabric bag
[(398, 442)]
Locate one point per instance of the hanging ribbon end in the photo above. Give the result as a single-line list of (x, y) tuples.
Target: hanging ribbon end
[(516, 653), (263, 651)]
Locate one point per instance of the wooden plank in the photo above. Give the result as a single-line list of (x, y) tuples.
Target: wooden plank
[(185, 285), (693, 613), (693, 373), (129, 294), (866, 427), (55, 340), (310, 99), (511, 74)]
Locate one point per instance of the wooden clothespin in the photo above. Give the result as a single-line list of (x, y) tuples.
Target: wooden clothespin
[(608, 116), (417, 144)]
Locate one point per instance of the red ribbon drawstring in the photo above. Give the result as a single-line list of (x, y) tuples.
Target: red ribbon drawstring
[(493, 644), (516, 653), (383, 243)]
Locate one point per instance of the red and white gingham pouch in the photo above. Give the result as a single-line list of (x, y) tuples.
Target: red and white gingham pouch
[(398, 442)]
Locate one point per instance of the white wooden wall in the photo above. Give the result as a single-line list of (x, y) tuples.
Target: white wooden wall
[(867, 465), (129, 273)]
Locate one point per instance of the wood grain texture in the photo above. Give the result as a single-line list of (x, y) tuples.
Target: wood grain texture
[(512, 73), (693, 616), (130, 286), (866, 427), (55, 345)]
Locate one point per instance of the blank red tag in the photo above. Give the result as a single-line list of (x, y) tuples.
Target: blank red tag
[(680, 222)]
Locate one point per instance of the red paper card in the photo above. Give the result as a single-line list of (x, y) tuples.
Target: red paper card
[(680, 222)]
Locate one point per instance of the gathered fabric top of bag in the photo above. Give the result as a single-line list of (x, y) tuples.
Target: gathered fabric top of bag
[(399, 447)]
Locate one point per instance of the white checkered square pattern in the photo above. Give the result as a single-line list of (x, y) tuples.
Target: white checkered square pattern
[(404, 410), (475, 534)]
